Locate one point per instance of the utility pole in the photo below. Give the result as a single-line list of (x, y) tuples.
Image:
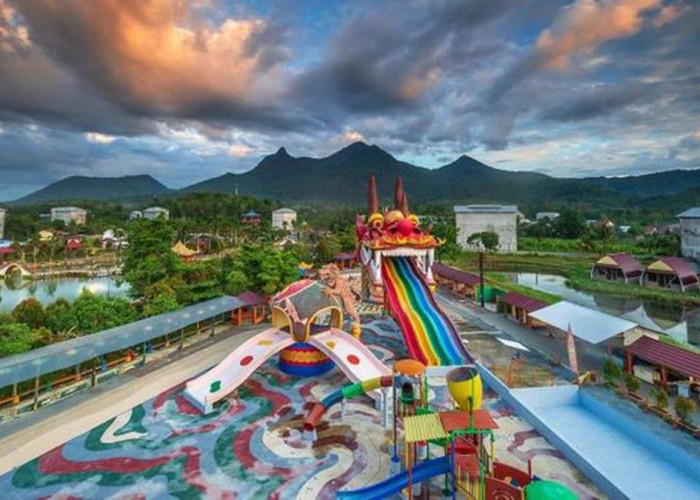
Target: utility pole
[(481, 274)]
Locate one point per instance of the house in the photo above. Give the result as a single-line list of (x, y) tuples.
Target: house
[(74, 243), (617, 267), (156, 212), (111, 240), (251, 218), (673, 273), (284, 218), (45, 235), (546, 215), (135, 214), (499, 219), (690, 233), (68, 215), (2, 222)]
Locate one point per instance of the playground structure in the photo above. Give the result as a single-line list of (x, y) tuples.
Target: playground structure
[(307, 322), (397, 257), (463, 440)]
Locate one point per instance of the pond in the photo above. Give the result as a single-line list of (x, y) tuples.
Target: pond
[(678, 321), (13, 291)]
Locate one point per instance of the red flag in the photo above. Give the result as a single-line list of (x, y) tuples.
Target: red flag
[(571, 349)]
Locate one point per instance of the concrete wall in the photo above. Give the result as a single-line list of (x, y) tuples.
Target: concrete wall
[(690, 238), (503, 224)]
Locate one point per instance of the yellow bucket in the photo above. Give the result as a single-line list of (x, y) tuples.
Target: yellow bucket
[(465, 383)]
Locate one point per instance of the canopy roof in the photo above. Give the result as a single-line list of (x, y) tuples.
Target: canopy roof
[(587, 324), (61, 355), (252, 299), (423, 428), (523, 301), (455, 274), (628, 264), (674, 265), (675, 358), (181, 250)]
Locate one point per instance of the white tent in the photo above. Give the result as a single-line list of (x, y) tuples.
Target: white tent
[(586, 324)]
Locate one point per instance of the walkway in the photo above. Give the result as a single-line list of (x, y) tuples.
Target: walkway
[(30, 436), (537, 340)]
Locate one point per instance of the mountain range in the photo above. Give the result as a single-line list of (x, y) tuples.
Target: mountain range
[(340, 179)]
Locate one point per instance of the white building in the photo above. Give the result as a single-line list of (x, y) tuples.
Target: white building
[(284, 218), (68, 215), (135, 214), (500, 219), (155, 212), (690, 233), (2, 222), (546, 215)]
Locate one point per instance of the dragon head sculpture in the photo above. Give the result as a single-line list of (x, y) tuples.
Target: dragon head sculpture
[(393, 233)]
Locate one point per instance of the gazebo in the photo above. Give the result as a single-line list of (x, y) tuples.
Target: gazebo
[(670, 359), (673, 273), (521, 306), (617, 267), (253, 308), (182, 251), (344, 260), (251, 218)]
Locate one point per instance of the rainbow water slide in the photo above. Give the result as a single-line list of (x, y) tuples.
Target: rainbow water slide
[(428, 332), (235, 368)]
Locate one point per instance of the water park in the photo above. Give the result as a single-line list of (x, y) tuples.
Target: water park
[(356, 389)]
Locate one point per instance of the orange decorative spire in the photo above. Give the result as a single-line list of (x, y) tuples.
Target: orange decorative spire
[(372, 197), (398, 193)]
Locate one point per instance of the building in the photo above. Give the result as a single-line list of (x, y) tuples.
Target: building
[(617, 267), (500, 219), (68, 215), (546, 215), (673, 273), (2, 222), (690, 233), (156, 212), (251, 218), (284, 218), (135, 214)]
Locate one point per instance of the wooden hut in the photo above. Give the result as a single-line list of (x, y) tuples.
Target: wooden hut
[(617, 267), (460, 282), (520, 306), (671, 361), (673, 273)]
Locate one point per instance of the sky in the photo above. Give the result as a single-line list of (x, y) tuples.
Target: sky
[(186, 90)]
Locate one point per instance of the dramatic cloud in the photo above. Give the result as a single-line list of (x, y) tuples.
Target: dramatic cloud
[(186, 90)]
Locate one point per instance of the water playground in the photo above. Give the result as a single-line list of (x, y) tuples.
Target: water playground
[(419, 418)]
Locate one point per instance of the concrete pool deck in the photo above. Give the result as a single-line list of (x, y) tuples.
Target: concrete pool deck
[(627, 453)]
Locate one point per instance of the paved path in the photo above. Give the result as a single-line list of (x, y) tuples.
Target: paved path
[(28, 437)]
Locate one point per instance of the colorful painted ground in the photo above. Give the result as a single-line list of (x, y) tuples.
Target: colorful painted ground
[(253, 447)]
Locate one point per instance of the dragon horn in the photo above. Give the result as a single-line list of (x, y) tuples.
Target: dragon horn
[(398, 192), (372, 197), (404, 205)]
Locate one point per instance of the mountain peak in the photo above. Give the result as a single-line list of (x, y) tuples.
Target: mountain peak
[(282, 152)]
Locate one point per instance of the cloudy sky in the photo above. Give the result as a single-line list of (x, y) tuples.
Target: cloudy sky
[(185, 90)]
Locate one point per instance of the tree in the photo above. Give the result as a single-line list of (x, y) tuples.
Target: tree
[(488, 240), (661, 397), (30, 312), (60, 318), (445, 229), (94, 313), (15, 338), (161, 303), (569, 224), (148, 258)]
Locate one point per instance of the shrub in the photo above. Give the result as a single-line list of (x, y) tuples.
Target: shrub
[(685, 407), (632, 383), (611, 370), (661, 397)]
